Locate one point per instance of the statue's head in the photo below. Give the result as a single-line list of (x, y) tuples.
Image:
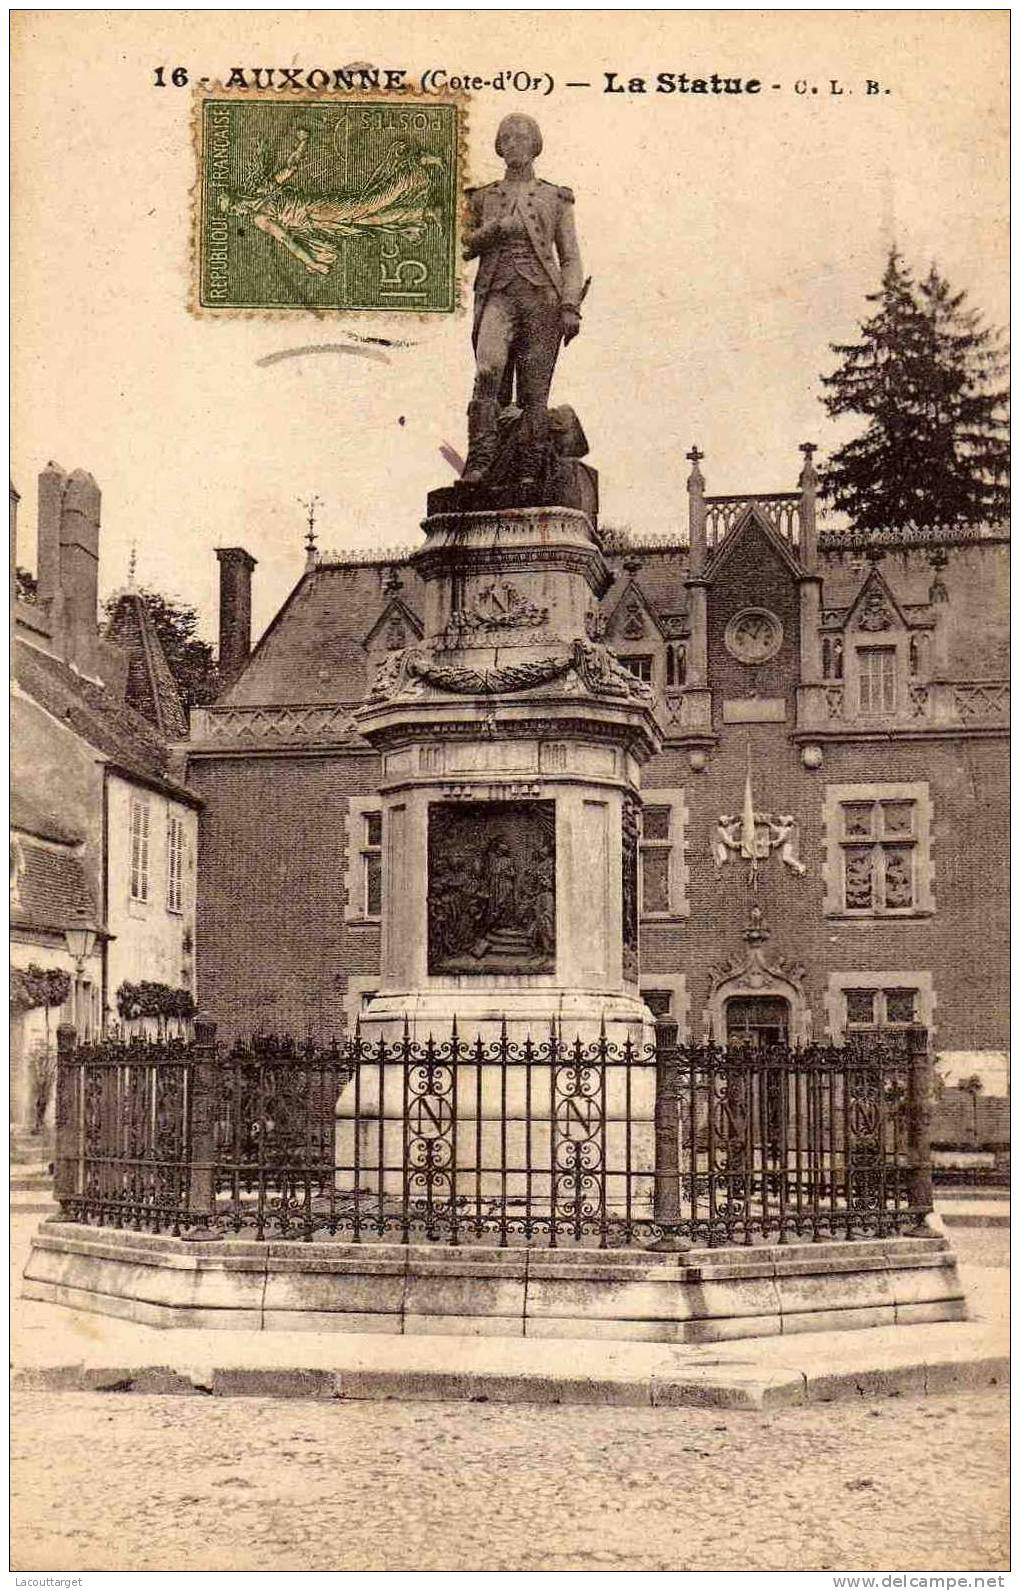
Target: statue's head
[(518, 138)]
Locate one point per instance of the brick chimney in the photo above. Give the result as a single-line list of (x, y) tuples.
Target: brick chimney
[(79, 569), (52, 485), (236, 566)]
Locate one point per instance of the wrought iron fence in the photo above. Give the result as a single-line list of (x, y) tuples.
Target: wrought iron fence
[(504, 1142)]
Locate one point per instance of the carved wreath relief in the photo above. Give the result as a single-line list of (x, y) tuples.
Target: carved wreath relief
[(492, 887)]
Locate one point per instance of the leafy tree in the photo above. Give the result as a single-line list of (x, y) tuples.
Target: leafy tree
[(191, 660), (925, 374), (31, 987)]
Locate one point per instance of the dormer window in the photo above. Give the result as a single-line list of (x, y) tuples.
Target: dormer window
[(640, 665), (876, 681)]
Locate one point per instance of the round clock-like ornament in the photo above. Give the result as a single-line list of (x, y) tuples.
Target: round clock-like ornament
[(753, 635)]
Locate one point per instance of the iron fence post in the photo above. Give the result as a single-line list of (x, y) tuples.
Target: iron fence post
[(66, 1148), (667, 1140), (201, 1137), (919, 1111)]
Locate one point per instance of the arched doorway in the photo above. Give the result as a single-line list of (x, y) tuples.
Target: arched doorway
[(754, 1021), (758, 1002)]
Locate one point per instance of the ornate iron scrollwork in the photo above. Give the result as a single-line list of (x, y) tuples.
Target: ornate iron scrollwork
[(431, 1146)]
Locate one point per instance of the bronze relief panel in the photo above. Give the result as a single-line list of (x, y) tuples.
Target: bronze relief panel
[(492, 887)]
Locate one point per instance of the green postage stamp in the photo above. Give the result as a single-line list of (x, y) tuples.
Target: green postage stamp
[(310, 204)]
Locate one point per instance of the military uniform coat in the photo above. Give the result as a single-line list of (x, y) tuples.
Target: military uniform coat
[(548, 215)]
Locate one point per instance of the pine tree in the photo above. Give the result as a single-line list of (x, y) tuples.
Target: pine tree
[(967, 408), (924, 374)]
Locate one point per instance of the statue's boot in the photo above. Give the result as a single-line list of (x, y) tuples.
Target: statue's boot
[(534, 446), (482, 439)]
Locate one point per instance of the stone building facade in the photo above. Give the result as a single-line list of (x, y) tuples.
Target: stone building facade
[(824, 831), (103, 832)]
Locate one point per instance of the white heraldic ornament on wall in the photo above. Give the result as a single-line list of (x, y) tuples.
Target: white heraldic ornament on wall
[(754, 836)]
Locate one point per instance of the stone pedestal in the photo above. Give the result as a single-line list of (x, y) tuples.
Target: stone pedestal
[(568, 483), (511, 749), (511, 745)]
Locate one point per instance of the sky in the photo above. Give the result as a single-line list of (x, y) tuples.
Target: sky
[(729, 239)]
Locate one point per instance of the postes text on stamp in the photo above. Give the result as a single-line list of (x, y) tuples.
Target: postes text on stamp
[(318, 205)]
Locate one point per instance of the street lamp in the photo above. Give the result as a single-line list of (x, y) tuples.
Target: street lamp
[(80, 936)]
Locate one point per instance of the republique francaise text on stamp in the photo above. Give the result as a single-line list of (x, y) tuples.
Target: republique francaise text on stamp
[(310, 204)]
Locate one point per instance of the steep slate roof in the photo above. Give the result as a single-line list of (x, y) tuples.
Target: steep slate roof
[(87, 708), (51, 887), (314, 649), (29, 816), (150, 688)]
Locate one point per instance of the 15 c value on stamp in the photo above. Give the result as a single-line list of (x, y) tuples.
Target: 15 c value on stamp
[(309, 204)]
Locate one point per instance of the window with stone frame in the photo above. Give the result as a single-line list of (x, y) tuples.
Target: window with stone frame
[(880, 1008), (889, 1001), (663, 870), (832, 657), (878, 850), (879, 845), (658, 1001), (639, 664), (371, 863), (364, 860), (876, 681)]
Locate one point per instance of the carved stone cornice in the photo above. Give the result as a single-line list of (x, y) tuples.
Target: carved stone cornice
[(491, 542), (300, 723), (634, 736), (443, 562)]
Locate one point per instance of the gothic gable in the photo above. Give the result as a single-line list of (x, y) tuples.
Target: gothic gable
[(744, 539), (875, 609), (395, 627), (633, 621), (753, 613)]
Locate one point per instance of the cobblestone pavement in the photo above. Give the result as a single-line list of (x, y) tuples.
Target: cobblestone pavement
[(109, 1482)]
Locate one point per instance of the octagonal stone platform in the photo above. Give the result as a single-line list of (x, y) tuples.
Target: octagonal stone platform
[(708, 1295)]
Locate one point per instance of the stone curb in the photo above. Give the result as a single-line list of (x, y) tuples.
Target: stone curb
[(964, 1218), (784, 1389)]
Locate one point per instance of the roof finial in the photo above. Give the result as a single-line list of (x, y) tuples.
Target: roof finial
[(808, 475), (132, 566), (311, 547)]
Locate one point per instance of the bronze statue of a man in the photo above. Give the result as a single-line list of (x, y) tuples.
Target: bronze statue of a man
[(527, 296)]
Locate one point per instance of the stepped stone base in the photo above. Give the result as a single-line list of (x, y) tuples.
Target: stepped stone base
[(571, 484), (709, 1295)]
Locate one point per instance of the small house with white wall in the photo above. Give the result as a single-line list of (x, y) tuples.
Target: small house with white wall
[(104, 832)]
